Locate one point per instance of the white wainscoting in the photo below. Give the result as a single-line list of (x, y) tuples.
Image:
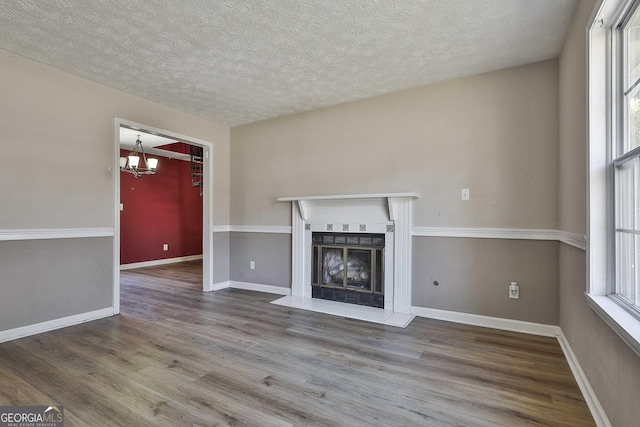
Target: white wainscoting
[(54, 233)]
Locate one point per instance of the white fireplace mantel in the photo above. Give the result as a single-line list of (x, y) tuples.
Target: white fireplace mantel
[(350, 206), (388, 213)]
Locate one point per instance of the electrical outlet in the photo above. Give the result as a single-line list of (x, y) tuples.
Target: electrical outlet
[(514, 290), (165, 247), (252, 265)]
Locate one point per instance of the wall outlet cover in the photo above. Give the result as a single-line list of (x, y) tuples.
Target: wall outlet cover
[(514, 290)]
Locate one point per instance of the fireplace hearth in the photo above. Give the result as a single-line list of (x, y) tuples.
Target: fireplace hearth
[(348, 267)]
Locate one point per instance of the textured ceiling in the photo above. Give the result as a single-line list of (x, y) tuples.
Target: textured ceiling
[(150, 142), (128, 139), (236, 62)]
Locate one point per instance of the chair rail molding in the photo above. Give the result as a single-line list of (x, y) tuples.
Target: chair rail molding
[(572, 239), (54, 233), (576, 240)]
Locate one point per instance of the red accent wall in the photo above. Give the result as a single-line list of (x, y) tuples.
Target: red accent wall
[(158, 209), (176, 147)]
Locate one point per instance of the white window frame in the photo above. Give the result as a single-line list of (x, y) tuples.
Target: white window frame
[(603, 50)]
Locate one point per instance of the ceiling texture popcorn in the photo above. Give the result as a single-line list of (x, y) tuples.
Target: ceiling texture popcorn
[(237, 62)]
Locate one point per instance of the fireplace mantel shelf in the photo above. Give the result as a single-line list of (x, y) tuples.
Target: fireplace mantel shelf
[(372, 207), (349, 196)]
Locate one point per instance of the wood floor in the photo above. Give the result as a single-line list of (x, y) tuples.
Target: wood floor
[(177, 356)]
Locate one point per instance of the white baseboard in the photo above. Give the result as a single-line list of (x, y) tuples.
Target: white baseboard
[(488, 322), (599, 416), (159, 262), (251, 287), (220, 285), (260, 288), (50, 325)]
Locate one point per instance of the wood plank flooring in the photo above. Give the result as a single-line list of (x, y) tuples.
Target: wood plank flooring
[(177, 356)]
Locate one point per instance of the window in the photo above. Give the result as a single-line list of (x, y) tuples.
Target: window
[(613, 248), (626, 165)]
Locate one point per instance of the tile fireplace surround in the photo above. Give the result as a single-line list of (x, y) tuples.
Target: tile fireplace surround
[(388, 214)]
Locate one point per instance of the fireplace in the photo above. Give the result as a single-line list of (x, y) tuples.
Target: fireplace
[(365, 216), (348, 268)]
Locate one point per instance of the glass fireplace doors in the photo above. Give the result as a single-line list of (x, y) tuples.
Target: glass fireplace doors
[(344, 264)]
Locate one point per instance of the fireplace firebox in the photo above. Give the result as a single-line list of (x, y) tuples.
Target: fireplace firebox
[(348, 267)]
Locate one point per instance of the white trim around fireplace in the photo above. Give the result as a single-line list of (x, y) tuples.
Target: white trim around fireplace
[(388, 213)]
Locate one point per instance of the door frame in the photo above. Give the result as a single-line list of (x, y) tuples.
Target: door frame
[(207, 201)]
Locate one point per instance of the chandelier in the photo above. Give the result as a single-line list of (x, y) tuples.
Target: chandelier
[(131, 163)]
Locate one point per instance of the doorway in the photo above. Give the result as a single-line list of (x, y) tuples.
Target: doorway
[(154, 137)]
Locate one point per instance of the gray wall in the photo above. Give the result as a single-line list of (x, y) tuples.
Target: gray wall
[(221, 260), (39, 284), (474, 274), (271, 253), (65, 126), (65, 120), (612, 368), (495, 133)]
